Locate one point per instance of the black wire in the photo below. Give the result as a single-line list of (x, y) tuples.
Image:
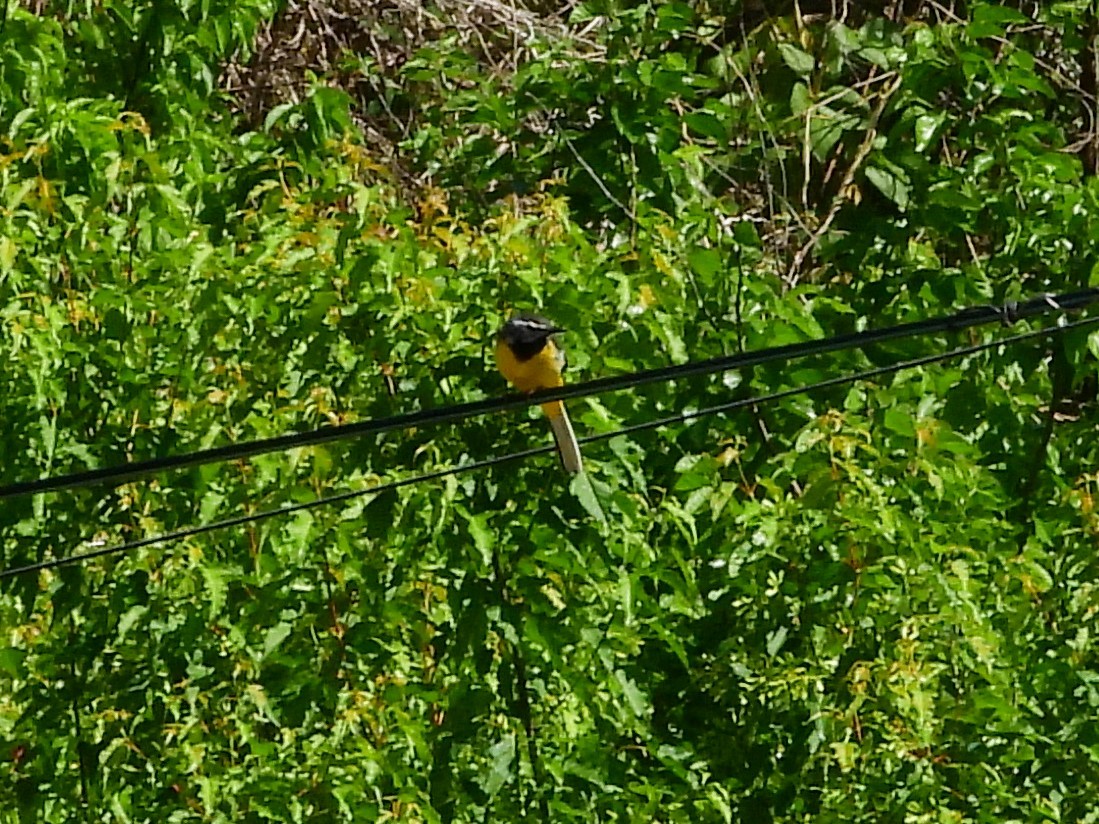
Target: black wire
[(679, 417), (973, 316), (288, 509), (682, 417)]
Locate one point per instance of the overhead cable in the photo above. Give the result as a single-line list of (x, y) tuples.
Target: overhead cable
[(972, 316), (680, 417)]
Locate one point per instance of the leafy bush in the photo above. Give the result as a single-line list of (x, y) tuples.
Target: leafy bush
[(871, 602)]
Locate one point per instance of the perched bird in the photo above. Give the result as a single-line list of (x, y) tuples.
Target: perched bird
[(528, 356)]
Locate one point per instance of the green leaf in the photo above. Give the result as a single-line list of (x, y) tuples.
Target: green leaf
[(11, 662), (900, 421), (746, 234), (674, 343), (484, 539), (634, 697), (215, 578), (827, 128), (799, 61), (927, 127), (775, 641), (890, 185), (800, 101), (8, 252), (275, 636), (581, 486), (130, 619), (276, 114), (501, 756), (706, 124), (695, 471), (847, 39), (992, 13), (707, 263)]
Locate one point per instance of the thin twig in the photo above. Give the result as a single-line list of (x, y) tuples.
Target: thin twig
[(598, 180), (794, 272)]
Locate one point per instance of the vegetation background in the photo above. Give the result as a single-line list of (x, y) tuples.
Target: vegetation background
[(224, 221)]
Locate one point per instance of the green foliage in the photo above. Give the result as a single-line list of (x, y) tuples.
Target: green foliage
[(873, 603)]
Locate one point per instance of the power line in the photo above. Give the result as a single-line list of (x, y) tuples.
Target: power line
[(656, 423), (289, 509), (966, 318), (682, 417)]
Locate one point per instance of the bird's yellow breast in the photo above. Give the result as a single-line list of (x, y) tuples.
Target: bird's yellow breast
[(543, 371)]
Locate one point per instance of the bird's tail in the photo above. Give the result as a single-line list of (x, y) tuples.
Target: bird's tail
[(567, 447)]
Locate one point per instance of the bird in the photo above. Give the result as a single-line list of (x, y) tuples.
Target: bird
[(529, 357)]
